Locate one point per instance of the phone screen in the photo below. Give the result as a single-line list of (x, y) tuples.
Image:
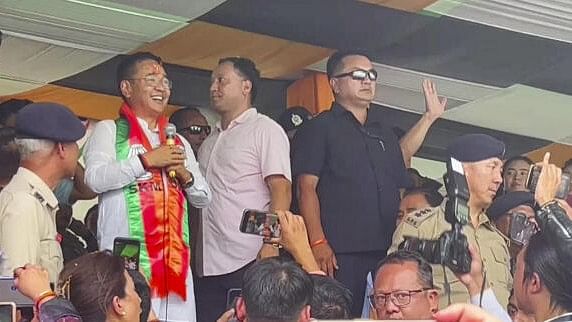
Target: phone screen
[(129, 249), (521, 228), (260, 223), (532, 179), (8, 312), (232, 296)]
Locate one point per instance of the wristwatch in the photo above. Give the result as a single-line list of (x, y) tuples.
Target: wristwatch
[(189, 182)]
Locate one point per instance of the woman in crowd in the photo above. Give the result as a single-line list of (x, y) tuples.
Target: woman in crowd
[(97, 285)]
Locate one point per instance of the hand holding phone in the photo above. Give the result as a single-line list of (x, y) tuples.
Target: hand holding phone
[(261, 223), (547, 181), (8, 312), (129, 249)]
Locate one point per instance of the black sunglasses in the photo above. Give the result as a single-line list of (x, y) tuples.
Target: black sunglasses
[(360, 74), (197, 129)]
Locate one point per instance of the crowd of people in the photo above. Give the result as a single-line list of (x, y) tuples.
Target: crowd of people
[(344, 173)]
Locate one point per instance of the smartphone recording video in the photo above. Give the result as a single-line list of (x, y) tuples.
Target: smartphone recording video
[(129, 250), (8, 311), (260, 223), (532, 182)]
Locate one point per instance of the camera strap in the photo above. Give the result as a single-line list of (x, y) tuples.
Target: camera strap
[(483, 288), (446, 285)]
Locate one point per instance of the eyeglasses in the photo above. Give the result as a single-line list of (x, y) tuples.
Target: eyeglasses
[(360, 74), (399, 298), (197, 129), (155, 81)]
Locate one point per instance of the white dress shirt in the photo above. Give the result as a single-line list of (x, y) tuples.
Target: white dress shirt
[(236, 162), (107, 176)]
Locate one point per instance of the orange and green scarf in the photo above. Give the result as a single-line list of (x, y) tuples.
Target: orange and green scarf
[(156, 211)]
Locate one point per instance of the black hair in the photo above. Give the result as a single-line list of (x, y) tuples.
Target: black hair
[(247, 69), (127, 67), (11, 107), (424, 270), (90, 219), (513, 159), (335, 62), (276, 289), (177, 117), (567, 164), (90, 283), (541, 257), (9, 154), (144, 292), (331, 299), (433, 197)]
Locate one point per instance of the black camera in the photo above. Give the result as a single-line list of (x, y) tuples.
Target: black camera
[(452, 247)]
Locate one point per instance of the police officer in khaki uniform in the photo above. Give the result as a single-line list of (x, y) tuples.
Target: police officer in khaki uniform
[(46, 135), (481, 157)]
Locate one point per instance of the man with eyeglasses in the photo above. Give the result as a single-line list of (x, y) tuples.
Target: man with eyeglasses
[(129, 164), (349, 167), (404, 289), (192, 125), (513, 215)]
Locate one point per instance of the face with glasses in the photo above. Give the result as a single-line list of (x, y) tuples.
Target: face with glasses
[(515, 313), (518, 223), (354, 82), (148, 90), (400, 295), (195, 129)]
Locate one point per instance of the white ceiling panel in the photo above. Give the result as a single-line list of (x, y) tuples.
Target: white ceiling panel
[(37, 63), (95, 25), (10, 86), (522, 110), (545, 18), (189, 9)]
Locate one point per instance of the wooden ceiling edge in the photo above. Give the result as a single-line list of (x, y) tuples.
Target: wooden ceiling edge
[(559, 153), (44, 93), (154, 47)]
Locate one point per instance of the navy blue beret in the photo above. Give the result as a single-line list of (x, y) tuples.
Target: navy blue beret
[(476, 147), (506, 202), (48, 121)]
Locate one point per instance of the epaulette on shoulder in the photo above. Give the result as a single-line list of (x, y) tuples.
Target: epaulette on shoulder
[(39, 196), (417, 217)]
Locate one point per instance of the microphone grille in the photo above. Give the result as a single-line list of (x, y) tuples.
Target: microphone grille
[(170, 129)]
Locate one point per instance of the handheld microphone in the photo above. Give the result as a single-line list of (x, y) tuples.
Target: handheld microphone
[(170, 133)]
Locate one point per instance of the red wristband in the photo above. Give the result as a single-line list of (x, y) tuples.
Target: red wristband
[(318, 242), (44, 295)]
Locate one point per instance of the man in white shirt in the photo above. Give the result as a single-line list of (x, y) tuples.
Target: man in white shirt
[(247, 163), (144, 183)]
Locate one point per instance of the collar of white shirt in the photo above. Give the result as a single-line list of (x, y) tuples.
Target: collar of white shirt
[(242, 118)]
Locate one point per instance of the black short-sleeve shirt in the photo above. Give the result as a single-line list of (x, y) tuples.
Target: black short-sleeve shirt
[(360, 170)]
